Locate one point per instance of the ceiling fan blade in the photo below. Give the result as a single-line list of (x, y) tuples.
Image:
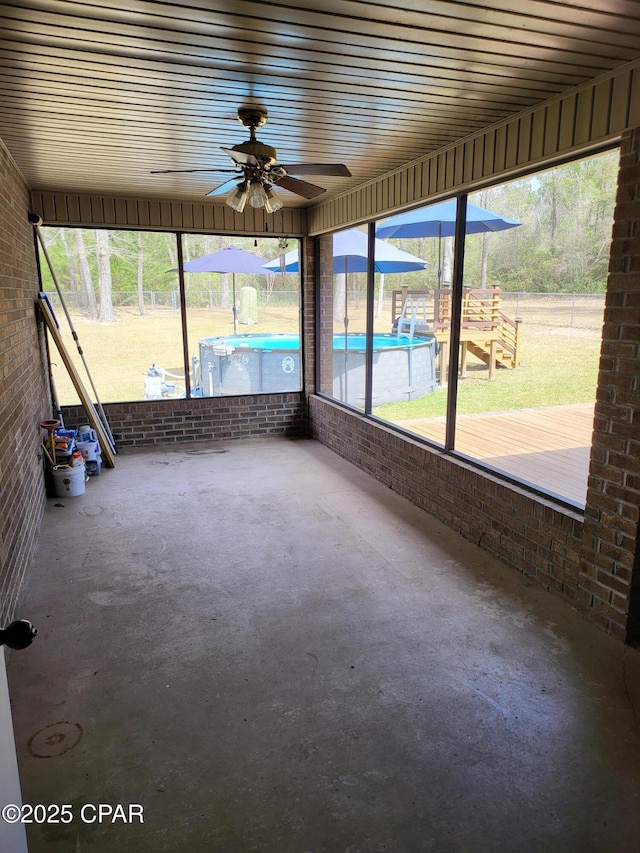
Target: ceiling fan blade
[(336, 169), (185, 171), (241, 158), (295, 185), (226, 187)]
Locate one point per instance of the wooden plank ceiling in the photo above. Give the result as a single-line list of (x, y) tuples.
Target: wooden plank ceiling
[(95, 95)]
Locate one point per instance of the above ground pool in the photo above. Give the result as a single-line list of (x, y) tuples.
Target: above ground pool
[(253, 364)]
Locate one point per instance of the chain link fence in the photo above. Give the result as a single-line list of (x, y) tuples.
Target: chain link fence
[(579, 310), (170, 299), (573, 310)]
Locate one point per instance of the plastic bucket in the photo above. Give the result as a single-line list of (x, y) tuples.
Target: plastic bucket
[(68, 482)]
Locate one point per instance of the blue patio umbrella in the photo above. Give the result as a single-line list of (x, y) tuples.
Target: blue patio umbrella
[(230, 259), (350, 252), (439, 220)]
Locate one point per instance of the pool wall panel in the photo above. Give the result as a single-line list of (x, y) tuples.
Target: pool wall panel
[(400, 372), (248, 371)]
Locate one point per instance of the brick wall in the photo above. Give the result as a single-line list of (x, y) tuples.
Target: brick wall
[(160, 422), (610, 570), (325, 314), (24, 400), (592, 561), (307, 284), (526, 532)]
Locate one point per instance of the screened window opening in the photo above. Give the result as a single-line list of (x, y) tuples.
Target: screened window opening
[(232, 328), (511, 385), (419, 309), (342, 331), (527, 388)]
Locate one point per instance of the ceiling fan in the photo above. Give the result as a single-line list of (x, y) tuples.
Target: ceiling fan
[(256, 164)]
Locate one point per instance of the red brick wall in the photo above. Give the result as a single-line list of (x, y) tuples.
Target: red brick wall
[(307, 283), (24, 400), (593, 561), (610, 570), (160, 422)]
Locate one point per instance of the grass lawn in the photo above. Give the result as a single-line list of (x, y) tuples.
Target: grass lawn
[(558, 366), (559, 363)]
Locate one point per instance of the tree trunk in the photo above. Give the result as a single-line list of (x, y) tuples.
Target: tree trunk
[(140, 275), (447, 261), (484, 259), (225, 299), (86, 283), (340, 307), (380, 296), (74, 284), (270, 284), (105, 313), (553, 215), (171, 249)]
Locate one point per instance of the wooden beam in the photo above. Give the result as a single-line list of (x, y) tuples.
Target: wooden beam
[(87, 405)]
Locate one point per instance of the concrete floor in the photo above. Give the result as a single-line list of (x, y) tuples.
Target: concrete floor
[(269, 651)]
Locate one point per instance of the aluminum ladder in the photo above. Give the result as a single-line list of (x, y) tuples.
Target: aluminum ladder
[(410, 315)]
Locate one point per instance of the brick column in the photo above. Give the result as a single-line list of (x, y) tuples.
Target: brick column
[(609, 581), (325, 331), (308, 307)]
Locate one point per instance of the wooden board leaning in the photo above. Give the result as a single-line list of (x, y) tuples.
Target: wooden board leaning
[(87, 405)]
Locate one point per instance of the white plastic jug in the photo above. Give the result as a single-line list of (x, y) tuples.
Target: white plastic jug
[(85, 433)]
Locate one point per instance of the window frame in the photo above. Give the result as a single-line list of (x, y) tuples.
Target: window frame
[(456, 307)]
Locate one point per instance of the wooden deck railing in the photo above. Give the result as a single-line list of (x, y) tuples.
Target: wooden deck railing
[(510, 337), (481, 312)]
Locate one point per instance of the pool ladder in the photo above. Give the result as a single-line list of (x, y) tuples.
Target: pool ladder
[(410, 315)]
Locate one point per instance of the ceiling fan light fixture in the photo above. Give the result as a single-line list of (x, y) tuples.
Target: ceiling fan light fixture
[(237, 199), (273, 202), (257, 194)]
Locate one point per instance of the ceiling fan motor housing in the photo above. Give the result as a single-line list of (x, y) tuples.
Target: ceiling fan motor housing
[(252, 116), (262, 152)]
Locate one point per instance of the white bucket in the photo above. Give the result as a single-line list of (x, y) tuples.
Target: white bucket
[(69, 482)]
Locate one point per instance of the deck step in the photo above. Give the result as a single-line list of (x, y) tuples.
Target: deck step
[(483, 352)]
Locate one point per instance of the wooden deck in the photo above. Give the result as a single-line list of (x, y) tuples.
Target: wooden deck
[(547, 447)]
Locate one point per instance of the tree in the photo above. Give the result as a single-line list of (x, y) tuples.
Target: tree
[(73, 278), (86, 282), (140, 275), (105, 313), (563, 242)]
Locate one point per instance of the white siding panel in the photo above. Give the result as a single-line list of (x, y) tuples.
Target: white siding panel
[(597, 112), (601, 109), (552, 128), (524, 139), (116, 212), (584, 116)]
